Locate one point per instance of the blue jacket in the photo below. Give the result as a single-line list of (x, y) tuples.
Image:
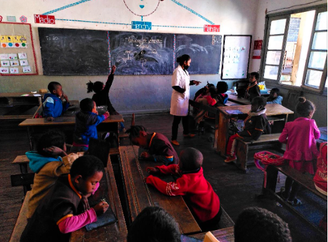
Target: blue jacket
[(37, 161), (53, 106), (86, 126), (277, 100)]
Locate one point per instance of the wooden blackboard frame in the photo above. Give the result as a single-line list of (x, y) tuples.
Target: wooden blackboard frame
[(236, 56), (25, 30)]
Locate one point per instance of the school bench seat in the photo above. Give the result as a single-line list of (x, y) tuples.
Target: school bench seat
[(22, 161), (24, 180), (265, 140), (304, 179), (21, 221), (225, 221)]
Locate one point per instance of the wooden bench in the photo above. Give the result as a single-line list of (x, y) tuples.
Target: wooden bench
[(24, 180), (22, 161), (21, 220), (304, 179), (265, 140), (225, 220)]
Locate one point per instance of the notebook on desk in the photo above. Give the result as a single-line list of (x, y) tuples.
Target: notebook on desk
[(107, 218)]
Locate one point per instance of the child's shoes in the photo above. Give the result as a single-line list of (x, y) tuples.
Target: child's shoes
[(230, 159)]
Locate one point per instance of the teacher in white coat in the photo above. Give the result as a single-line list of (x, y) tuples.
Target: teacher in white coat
[(180, 97)]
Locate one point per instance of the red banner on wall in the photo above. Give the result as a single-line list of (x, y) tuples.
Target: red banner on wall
[(211, 28), (44, 19), (257, 49)]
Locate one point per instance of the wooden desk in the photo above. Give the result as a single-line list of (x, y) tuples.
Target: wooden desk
[(139, 195), (19, 105), (234, 98), (112, 232), (222, 135), (223, 235), (36, 126)]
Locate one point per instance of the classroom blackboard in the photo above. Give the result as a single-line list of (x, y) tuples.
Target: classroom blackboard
[(141, 53), (93, 52), (73, 52), (204, 50)]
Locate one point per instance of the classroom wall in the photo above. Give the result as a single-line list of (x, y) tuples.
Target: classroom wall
[(138, 93)]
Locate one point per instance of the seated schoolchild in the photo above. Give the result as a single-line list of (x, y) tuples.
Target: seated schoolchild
[(86, 122), (222, 88), (65, 209), (54, 103), (159, 148), (197, 191), (258, 225), (256, 123), (153, 224), (49, 162), (274, 96), (253, 89)]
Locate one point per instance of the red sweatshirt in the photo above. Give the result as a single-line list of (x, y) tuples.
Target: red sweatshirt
[(204, 202)]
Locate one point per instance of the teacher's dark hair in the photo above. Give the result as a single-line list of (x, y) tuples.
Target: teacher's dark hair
[(182, 59)]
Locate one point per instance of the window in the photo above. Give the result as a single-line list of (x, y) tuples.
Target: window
[(296, 48)]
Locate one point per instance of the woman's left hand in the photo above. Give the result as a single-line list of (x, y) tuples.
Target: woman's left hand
[(196, 82)]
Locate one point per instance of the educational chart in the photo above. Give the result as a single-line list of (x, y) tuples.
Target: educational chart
[(236, 53), (17, 55), (204, 50), (93, 52)]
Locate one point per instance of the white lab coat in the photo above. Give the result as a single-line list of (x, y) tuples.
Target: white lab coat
[(180, 101)]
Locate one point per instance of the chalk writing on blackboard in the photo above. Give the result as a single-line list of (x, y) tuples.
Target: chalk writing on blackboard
[(141, 53)]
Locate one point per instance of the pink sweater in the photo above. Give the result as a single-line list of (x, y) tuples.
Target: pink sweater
[(300, 136)]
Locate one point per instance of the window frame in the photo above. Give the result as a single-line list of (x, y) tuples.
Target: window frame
[(286, 15)]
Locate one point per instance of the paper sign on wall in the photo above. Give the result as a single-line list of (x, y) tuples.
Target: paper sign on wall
[(4, 70), (14, 70), (23, 62), (26, 69), (22, 55), (5, 63), (14, 63)]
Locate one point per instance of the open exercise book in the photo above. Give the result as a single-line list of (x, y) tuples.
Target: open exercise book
[(209, 237), (104, 219)]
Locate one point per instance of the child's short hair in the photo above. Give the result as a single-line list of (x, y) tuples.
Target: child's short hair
[(275, 90), (181, 59), (95, 87), (48, 139), (52, 86), (191, 160), (154, 224), (86, 166), (258, 224), (135, 130), (255, 74), (221, 87), (261, 101), (87, 104), (304, 107)]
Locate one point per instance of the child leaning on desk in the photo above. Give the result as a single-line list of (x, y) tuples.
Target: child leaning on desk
[(159, 148), (191, 183), (255, 124), (54, 103), (49, 162), (65, 209), (86, 122)]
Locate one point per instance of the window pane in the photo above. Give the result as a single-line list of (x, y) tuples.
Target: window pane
[(273, 57), (275, 42), (278, 26), (319, 41), (317, 60), (321, 21), (271, 72), (313, 78)]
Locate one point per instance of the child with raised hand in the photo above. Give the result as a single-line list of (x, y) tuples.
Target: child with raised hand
[(65, 208), (54, 103), (159, 148), (255, 124), (49, 162), (301, 151), (275, 97), (86, 122), (253, 89), (197, 191)]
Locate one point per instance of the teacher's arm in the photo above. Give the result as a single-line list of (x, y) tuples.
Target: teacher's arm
[(193, 82), (179, 89)]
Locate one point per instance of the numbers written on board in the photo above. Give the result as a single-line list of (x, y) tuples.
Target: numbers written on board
[(52, 38)]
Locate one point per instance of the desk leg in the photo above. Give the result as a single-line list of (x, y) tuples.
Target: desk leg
[(222, 134), (271, 183), (29, 134)]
